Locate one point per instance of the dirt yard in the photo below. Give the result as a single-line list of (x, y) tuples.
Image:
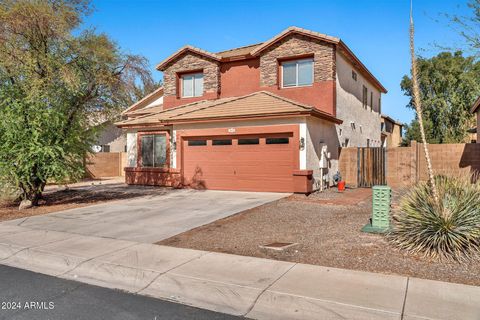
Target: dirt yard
[(86, 193), (326, 227)]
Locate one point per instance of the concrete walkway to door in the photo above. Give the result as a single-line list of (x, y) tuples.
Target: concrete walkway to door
[(151, 218)]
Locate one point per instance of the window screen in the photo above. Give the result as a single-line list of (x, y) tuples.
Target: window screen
[(297, 73), (192, 85), (159, 150), (289, 74), (305, 74), (154, 150), (147, 151), (187, 86)]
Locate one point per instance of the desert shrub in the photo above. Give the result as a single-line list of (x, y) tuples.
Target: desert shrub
[(448, 229)]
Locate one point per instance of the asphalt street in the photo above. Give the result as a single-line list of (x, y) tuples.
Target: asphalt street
[(29, 295)]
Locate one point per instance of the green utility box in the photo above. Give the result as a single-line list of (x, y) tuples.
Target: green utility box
[(380, 221)]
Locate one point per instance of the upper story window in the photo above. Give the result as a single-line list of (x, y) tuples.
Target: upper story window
[(371, 100), (192, 85), (297, 73), (365, 97)]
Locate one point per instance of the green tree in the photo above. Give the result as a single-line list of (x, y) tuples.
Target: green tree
[(56, 84), (468, 26), (449, 84)]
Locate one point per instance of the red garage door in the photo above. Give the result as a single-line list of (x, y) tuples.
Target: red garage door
[(248, 163)]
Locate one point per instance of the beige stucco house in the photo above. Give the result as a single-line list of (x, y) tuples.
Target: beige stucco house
[(114, 139), (392, 132), (476, 110)]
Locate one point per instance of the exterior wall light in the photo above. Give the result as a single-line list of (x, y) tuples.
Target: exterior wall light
[(302, 143)]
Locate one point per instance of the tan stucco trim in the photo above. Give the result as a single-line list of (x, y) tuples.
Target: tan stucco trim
[(313, 113), (144, 101)]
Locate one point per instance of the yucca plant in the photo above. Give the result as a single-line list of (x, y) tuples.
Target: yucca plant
[(448, 229)]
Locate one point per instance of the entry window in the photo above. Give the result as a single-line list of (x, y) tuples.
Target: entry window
[(248, 141), (222, 142), (192, 85), (277, 141), (154, 150), (297, 73), (196, 143)]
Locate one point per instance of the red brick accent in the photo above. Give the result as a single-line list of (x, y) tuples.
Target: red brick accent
[(153, 177)]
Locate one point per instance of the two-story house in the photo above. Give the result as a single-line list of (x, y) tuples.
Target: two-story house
[(392, 132), (475, 132), (264, 117)]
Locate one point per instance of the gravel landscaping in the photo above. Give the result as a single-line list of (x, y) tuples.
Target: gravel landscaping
[(59, 198), (326, 228)]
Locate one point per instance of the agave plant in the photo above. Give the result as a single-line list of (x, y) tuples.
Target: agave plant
[(449, 228)]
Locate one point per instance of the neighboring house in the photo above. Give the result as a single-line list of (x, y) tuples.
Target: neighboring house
[(111, 139), (472, 135), (114, 139), (476, 110), (261, 118), (392, 132)]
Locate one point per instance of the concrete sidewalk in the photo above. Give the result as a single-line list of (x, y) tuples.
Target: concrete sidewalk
[(252, 287)]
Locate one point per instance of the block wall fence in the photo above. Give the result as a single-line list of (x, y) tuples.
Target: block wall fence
[(105, 164), (407, 165)]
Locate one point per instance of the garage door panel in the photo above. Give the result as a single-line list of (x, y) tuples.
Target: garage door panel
[(255, 167), (265, 185)]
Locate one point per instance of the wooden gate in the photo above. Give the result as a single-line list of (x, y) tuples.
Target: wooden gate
[(371, 166)]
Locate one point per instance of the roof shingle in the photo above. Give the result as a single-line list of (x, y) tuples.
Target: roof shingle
[(258, 104)]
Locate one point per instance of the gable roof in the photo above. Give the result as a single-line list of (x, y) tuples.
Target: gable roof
[(144, 101), (184, 49), (255, 50), (240, 51), (475, 106), (258, 104), (145, 111), (344, 49), (292, 30), (392, 120)]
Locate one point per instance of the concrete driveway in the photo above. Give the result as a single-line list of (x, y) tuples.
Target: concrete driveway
[(151, 218)]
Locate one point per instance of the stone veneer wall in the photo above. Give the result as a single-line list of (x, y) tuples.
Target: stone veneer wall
[(297, 45), (191, 62)]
